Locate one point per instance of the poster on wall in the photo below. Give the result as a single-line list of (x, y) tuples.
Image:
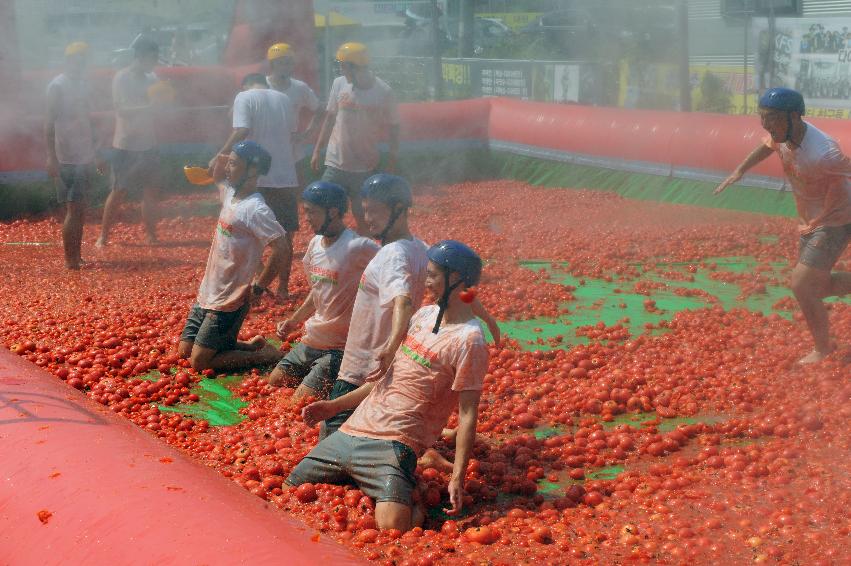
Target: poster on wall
[(566, 83), (811, 55)]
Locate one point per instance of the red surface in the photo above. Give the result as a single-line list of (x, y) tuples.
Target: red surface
[(116, 495)]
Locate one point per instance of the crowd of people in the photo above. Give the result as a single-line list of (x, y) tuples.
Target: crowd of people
[(384, 373)]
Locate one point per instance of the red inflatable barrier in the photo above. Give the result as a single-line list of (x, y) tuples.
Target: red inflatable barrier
[(80, 485)]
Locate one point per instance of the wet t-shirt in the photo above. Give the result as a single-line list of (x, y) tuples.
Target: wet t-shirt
[(334, 273), (134, 130), (397, 270), (820, 175), (413, 401), (73, 124)]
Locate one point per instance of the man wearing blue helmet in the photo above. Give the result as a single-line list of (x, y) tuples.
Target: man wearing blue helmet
[(440, 366), (334, 262), (820, 176), (245, 227)]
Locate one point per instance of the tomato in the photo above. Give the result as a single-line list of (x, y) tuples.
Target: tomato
[(306, 493), (542, 535), (481, 535)]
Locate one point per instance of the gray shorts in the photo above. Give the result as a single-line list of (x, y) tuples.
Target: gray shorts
[(349, 180), (74, 182), (133, 171), (216, 330), (330, 426), (822, 248), (284, 203), (383, 469), (317, 369)]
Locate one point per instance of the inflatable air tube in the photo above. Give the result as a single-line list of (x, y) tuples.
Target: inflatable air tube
[(80, 485)]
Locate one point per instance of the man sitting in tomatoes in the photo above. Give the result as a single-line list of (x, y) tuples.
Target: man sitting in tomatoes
[(246, 225), (441, 363)]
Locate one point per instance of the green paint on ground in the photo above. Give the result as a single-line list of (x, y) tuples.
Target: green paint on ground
[(548, 432), (606, 473), (217, 403)]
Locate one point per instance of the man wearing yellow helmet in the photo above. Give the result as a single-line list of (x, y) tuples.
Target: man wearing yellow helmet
[(361, 108), (281, 66), (70, 141)]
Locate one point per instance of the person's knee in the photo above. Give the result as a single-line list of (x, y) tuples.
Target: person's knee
[(391, 515), (200, 360), (184, 349)]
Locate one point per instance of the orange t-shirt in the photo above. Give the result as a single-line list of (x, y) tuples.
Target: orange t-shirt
[(820, 175), (413, 401)]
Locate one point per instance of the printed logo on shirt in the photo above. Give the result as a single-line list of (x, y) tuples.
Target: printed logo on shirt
[(224, 228), (362, 282), (346, 102), (418, 352), (322, 275)]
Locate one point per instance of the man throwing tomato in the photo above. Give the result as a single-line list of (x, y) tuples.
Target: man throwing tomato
[(820, 175), (440, 365)]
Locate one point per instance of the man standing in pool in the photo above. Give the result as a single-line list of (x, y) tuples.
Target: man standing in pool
[(246, 226), (820, 176), (440, 366), (334, 262), (361, 107)]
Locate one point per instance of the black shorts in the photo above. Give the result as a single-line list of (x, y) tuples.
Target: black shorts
[(133, 171), (74, 182), (216, 330), (284, 203), (329, 427), (822, 248)]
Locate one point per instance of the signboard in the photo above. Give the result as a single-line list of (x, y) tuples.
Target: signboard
[(505, 80), (566, 81), (811, 55)]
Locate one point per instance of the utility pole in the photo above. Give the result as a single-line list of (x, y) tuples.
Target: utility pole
[(467, 19), (437, 63), (685, 72)]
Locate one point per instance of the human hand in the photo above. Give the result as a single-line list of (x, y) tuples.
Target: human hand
[(318, 411), (456, 497), (284, 328), (735, 177), (316, 161)]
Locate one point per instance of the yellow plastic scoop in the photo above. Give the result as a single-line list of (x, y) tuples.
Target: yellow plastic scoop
[(161, 92), (197, 175)]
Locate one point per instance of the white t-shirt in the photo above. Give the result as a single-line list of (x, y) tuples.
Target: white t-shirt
[(244, 228), (135, 131), (301, 96), (362, 118), (820, 175), (397, 270), (73, 124), (268, 115), (334, 273)]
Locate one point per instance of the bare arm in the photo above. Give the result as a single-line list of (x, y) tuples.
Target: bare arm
[(315, 124), (481, 312), (270, 271), (403, 309), (236, 136), (302, 313), (323, 410), (761, 153), (468, 414), (322, 141)]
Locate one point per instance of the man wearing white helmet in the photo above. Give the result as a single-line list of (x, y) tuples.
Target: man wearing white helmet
[(361, 108)]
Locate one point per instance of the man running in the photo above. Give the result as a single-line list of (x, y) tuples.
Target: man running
[(246, 225), (265, 116), (819, 174), (302, 97), (361, 107), (440, 366), (136, 162), (71, 146), (334, 262)]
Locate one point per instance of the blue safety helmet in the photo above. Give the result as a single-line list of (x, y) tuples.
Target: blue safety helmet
[(784, 99), (456, 257), (253, 154), (327, 195), (392, 190)]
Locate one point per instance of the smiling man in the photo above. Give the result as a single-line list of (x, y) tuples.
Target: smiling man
[(820, 175)]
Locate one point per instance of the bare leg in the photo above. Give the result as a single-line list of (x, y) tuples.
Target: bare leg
[(809, 286), (256, 343), (840, 284), (150, 213), (72, 234), (110, 211), (206, 358), (392, 515)]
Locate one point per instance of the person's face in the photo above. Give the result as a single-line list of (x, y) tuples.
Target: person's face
[(377, 215), (235, 168), (148, 61), (348, 71), (283, 66), (435, 282), (775, 123), (76, 64), (316, 215)]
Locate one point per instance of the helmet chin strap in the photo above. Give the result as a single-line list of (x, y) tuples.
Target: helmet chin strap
[(443, 303), (397, 212), (245, 177), (323, 230)]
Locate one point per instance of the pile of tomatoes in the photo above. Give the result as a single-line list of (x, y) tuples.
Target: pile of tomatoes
[(697, 441)]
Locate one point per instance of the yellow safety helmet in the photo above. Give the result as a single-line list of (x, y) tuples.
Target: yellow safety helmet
[(279, 50), (76, 48), (354, 53)]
